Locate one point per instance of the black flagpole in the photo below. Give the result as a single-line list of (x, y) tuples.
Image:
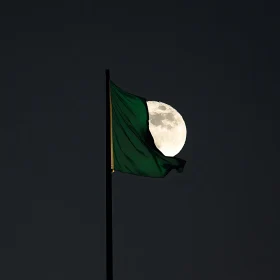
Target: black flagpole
[(109, 228)]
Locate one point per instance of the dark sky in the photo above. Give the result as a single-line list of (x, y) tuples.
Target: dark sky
[(216, 62)]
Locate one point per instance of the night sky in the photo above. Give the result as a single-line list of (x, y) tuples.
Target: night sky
[(216, 62)]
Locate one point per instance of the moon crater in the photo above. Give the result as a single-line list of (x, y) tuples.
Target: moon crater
[(166, 120)]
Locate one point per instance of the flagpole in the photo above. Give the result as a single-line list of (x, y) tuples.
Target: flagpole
[(109, 170)]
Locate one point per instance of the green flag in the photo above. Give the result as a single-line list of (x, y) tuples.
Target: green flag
[(134, 150)]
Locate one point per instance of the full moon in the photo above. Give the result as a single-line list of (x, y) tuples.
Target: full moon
[(167, 128)]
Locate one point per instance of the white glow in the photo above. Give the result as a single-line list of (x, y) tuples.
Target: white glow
[(167, 128)]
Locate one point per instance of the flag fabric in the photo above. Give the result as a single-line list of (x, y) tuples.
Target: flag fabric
[(134, 150)]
